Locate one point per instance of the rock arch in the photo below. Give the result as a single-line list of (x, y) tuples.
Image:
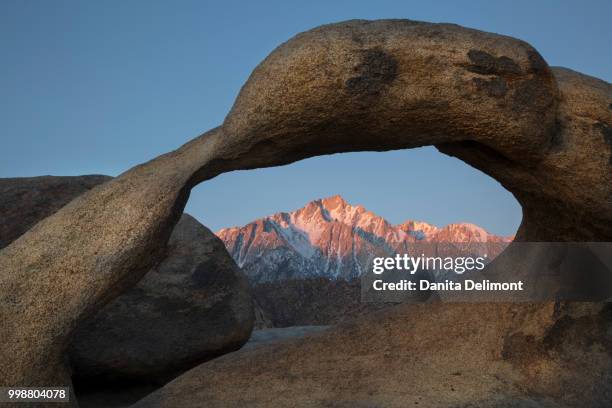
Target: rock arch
[(487, 99)]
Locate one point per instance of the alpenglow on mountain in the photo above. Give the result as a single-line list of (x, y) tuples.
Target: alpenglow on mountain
[(334, 239)]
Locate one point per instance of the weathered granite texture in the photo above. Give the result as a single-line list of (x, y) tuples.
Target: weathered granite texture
[(195, 305), (26, 200), (433, 355)]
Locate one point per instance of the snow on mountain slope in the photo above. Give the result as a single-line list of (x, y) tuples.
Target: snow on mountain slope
[(331, 238)]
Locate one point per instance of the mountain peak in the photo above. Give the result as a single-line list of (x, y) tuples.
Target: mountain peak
[(334, 202)]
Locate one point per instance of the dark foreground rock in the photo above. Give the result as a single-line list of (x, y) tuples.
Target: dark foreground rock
[(195, 305), (436, 355), (125, 394)]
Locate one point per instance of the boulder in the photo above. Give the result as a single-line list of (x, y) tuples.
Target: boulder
[(434, 355), (193, 306)]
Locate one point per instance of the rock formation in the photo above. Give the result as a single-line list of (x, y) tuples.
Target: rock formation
[(434, 355), (193, 306), (487, 99), (446, 354)]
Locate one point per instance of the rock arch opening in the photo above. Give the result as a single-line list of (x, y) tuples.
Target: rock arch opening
[(317, 208), (304, 233)]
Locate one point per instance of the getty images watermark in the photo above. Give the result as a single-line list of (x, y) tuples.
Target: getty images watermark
[(486, 272)]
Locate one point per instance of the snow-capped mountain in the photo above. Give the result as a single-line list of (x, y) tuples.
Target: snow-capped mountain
[(334, 239)]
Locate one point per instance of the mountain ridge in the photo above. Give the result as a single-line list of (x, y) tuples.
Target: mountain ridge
[(331, 238)]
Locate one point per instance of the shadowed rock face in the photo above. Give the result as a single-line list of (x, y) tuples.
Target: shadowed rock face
[(71, 263), (490, 100), (435, 355), (195, 305)]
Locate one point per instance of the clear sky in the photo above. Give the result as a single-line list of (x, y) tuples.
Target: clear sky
[(99, 86)]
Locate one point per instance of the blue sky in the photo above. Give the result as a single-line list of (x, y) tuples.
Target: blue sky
[(97, 87)]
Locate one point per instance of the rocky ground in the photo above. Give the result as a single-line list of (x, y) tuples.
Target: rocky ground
[(124, 395), (444, 355)]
